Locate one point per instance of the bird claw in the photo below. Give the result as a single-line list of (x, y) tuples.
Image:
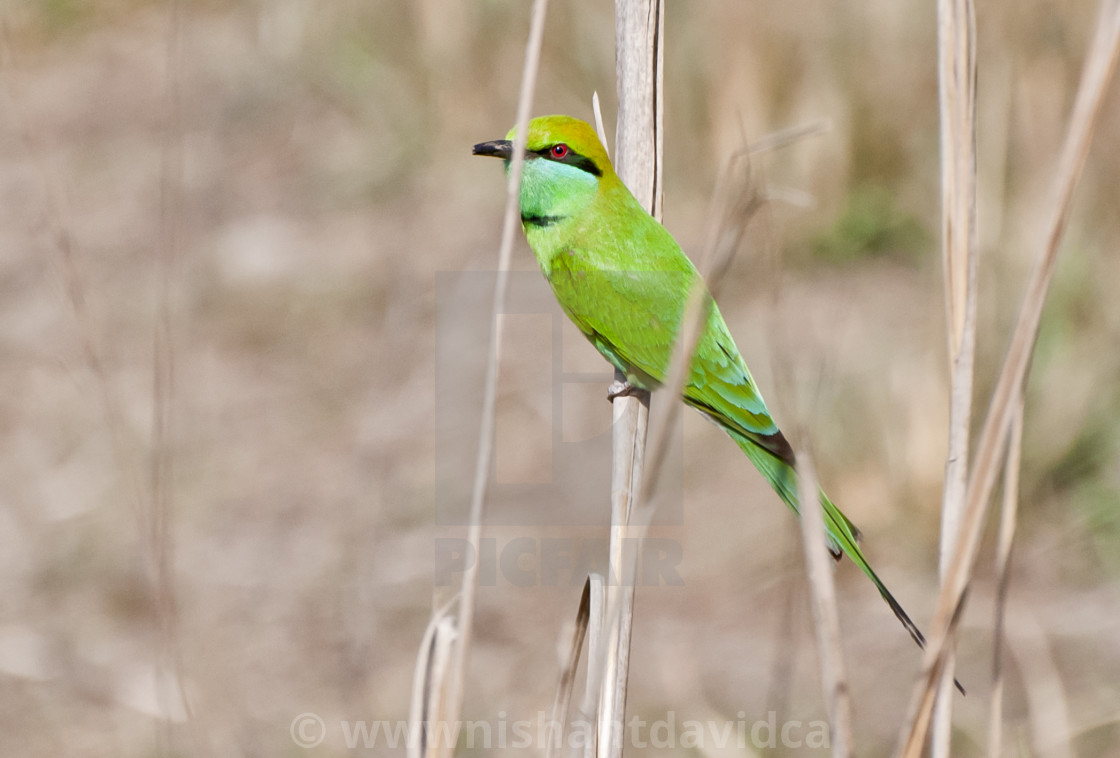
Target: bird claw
[(621, 388)]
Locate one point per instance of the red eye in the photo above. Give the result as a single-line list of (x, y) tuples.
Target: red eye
[(559, 151)]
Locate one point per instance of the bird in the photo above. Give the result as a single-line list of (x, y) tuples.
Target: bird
[(624, 281)]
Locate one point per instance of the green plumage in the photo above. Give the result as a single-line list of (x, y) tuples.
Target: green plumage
[(623, 280)]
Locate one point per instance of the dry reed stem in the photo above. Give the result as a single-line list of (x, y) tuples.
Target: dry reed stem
[(447, 706), (826, 619), (1099, 65), (1008, 513), (630, 422), (639, 29), (957, 95)]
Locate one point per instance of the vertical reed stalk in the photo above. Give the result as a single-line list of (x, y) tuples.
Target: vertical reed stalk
[(957, 93), (639, 145)]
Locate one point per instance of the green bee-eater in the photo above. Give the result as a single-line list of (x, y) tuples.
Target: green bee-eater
[(623, 280)]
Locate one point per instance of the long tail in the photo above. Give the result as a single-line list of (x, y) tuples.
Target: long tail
[(843, 536)]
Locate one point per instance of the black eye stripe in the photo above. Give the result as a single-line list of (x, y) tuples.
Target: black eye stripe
[(572, 159)]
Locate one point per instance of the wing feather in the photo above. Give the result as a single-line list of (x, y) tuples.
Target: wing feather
[(632, 318)]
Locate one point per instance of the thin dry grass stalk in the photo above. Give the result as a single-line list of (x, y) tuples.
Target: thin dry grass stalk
[(826, 619), (1007, 518), (957, 93), (1099, 65), (446, 684), (428, 677)]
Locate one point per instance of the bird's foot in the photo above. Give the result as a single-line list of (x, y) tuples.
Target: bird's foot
[(621, 388)]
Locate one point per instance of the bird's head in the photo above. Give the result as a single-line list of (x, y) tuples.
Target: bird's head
[(564, 165)]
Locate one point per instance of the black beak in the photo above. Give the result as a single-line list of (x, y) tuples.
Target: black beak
[(498, 148)]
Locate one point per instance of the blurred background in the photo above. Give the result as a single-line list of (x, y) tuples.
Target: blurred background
[(241, 368)]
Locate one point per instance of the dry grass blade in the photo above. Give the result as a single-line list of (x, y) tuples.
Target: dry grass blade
[(957, 93), (1008, 513), (1099, 65), (826, 619), (638, 135), (450, 685), (786, 137), (427, 679), (599, 128), (568, 677)]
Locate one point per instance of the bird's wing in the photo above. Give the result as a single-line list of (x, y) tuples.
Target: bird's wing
[(632, 318), (721, 386)]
